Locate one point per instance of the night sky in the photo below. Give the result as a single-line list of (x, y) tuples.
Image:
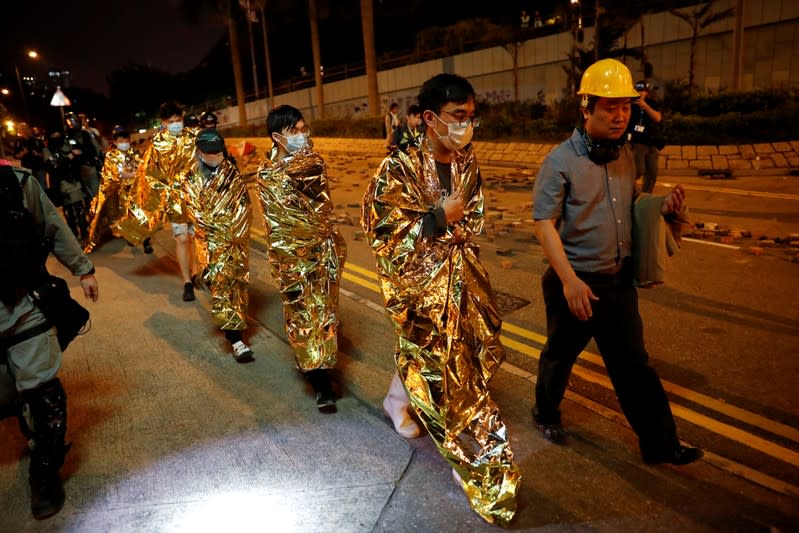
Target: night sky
[(91, 38)]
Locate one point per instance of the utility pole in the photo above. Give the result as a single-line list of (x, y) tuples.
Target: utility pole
[(370, 56), (269, 91), (235, 57), (317, 57), (597, 12), (643, 48), (738, 45), (250, 20), (577, 26)]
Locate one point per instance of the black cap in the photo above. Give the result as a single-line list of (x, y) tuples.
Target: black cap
[(119, 131), (210, 142)]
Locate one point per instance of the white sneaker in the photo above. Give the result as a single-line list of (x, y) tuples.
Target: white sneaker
[(242, 352)]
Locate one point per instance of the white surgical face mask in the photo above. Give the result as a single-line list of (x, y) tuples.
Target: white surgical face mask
[(212, 161), (123, 147), (296, 142), (175, 128), (457, 136)]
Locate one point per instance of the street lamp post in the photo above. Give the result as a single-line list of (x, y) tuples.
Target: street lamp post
[(577, 26), (33, 54), (22, 94)]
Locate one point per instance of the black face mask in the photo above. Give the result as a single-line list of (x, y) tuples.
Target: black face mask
[(603, 151)]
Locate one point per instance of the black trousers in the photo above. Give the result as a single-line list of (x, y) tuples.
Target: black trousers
[(618, 330)]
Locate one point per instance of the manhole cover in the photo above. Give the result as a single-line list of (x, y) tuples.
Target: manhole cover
[(509, 303)]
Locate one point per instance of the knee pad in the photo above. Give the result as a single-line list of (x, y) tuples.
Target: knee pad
[(44, 420)]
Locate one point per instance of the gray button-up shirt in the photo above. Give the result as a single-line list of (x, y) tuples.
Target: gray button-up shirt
[(592, 204)]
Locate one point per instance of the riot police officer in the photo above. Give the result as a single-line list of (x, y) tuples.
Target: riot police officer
[(85, 153), (30, 345)]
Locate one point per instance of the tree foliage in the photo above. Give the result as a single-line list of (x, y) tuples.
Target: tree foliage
[(698, 18)]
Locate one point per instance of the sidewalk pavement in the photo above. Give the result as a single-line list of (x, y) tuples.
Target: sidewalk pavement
[(764, 159), (170, 434)]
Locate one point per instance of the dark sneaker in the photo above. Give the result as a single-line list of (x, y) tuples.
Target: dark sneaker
[(188, 292), (148, 248), (682, 455), (323, 388), (553, 433), (326, 402), (47, 494), (242, 352)]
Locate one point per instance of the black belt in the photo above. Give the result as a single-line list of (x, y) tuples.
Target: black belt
[(7, 342)]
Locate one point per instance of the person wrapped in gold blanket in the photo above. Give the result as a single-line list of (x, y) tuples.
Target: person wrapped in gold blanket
[(218, 206), (116, 181), (421, 212), (158, 192), (306, 251)]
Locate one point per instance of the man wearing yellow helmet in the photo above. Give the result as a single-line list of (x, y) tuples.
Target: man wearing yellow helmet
[(583, 196)]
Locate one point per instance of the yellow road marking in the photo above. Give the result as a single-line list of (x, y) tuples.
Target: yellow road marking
[(738, 435), (706, 401), (361, 270), (360, 281), (698, 419), (720, 428)]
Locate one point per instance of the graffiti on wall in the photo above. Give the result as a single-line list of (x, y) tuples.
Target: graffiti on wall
[(495, 96)]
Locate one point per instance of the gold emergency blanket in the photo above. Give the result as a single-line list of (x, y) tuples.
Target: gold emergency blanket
[(108, 207), (158, 190), (443, 310), (219, 206), (306, 253)]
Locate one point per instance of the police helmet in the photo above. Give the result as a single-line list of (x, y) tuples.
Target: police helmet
[(72, 120), (191, 121), (209, 119)]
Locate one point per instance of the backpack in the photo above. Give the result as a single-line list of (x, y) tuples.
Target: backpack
[(23, 250)]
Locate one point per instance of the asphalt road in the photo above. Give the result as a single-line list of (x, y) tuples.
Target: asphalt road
[(722, 332), (171, 435)]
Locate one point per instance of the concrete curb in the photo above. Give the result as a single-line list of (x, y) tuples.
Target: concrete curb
[(765, 159)]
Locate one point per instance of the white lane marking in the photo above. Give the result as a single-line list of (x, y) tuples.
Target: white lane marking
[(711, 243)]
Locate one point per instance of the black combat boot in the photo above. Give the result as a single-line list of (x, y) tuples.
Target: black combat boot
[(47, 420)]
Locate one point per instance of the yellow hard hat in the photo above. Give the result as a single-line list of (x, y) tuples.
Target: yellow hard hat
[(609, 78)]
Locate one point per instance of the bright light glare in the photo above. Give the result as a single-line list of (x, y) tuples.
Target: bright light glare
[(236, 511), (142, 130), (10, 125), (33, 54), (4, 90)]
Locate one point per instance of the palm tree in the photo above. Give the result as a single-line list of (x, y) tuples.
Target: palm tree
[(699, 18), (226, 10), (261, 5), (317, 58), (370, 56)]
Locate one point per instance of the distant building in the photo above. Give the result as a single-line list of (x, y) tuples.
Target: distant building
[(60, 78)]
